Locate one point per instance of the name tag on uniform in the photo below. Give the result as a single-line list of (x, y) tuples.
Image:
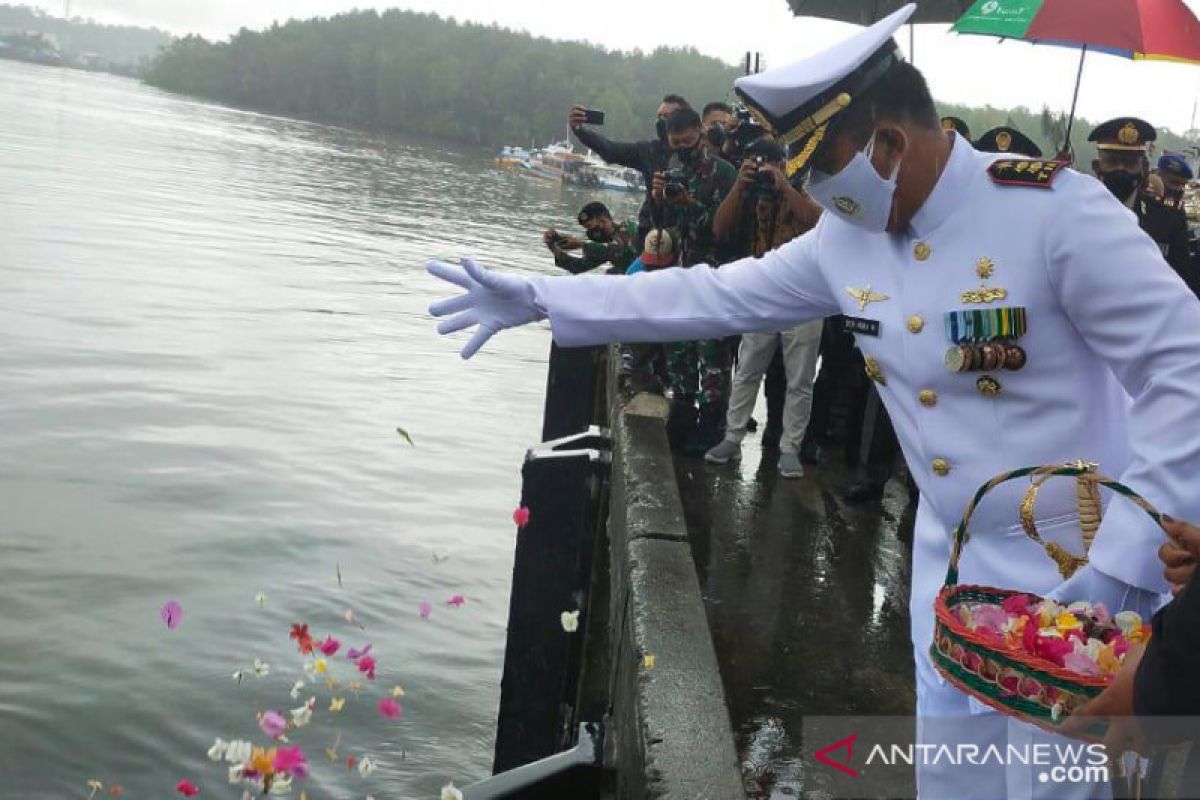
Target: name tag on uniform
[(864, 327)]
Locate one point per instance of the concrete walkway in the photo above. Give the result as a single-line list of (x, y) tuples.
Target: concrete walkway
[(807, 600)]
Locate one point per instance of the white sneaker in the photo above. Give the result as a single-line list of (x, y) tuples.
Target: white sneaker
[(790, 466), (725, 452)]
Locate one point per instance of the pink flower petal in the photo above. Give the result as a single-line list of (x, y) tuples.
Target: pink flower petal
[(389, 708), (187, 788), (329, 646), (521, 517), (458, 601), (272, 723), (426, 608), (172, 614)]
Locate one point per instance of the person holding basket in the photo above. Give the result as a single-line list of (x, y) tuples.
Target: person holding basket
[(1010, 312)]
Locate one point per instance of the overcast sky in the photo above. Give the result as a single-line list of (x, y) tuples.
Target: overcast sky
[(962, 69)]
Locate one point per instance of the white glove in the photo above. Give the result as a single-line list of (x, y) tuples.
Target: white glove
[(1093, 586), (494, 301)]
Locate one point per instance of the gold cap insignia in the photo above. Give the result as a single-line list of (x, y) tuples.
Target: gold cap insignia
[(1003, 141), (1128, 135)]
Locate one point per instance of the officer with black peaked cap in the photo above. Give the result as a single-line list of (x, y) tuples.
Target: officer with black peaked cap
[(1008, 140), (1123, 165)]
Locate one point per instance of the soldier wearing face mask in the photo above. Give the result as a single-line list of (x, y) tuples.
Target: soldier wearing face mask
[(687, 196), (1123, 166), (647, 157)]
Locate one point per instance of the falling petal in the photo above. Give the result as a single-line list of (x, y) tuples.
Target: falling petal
[(521, 516), (458, 601), (329, 646), (570, 621), (217, 751), (390, 708), (272, 723), (353, 620), (397, 691), (425, 609), (187, 788), (354, 653), (449, 792), (115, 790), (338, 569), (337, 703), (261, 668), (404, 435), (171, 614), (261, 599), (649, 661), (332, 752), (239, 675), (366, 766), (95, 786), (296, 687)]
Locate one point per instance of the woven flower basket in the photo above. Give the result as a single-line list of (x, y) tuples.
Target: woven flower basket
[(1045, 693)]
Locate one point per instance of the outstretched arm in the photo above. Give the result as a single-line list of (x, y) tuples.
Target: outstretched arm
[(779, 290)]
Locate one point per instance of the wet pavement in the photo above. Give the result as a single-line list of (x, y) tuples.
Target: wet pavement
[(807, 600)]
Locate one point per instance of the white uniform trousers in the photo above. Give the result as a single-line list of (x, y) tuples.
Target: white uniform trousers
[(801, 345)]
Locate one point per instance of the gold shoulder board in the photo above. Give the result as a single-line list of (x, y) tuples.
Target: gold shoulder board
[(1008, 172)]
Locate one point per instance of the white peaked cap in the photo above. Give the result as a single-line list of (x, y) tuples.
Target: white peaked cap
[(793, 99)]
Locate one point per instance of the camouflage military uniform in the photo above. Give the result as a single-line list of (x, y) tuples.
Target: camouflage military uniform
[(699, 372)]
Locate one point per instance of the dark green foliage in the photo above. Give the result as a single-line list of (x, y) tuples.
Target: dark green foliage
[(401, 70)]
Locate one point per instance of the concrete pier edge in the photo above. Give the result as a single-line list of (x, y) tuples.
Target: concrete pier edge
[(671, 723)]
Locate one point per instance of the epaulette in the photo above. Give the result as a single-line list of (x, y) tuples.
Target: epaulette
[(1021, 172)]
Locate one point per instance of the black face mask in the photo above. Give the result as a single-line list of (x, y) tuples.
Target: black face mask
[(598, 235), (1121, 183), (660, 127), (688, 155)]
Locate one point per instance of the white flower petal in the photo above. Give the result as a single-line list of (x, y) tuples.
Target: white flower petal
[(366, 766), (282, 784), (237, 773), (239, 751), (570, 621), (449, 792), (217, 751), (296, 687)]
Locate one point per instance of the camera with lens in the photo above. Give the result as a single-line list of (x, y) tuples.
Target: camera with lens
[(675, 183), (764, 182), (747, 129)]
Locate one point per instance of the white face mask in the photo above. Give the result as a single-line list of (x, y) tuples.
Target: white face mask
[(858, 194)]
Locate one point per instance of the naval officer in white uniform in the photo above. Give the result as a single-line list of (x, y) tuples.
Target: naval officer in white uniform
[(1011, 312)]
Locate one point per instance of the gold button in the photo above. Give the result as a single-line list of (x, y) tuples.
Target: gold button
[(916, 324), (874, 370), (941, 467), (922, 251), (928, 398)]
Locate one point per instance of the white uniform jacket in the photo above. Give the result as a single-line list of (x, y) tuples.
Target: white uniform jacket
[(1112, 376)]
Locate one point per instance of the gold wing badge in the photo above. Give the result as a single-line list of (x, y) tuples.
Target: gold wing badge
[(865, 296)]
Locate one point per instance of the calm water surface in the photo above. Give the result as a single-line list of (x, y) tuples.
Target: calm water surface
[(212, 323)]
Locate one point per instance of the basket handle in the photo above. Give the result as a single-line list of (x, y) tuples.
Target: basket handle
[(1080, 470)]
